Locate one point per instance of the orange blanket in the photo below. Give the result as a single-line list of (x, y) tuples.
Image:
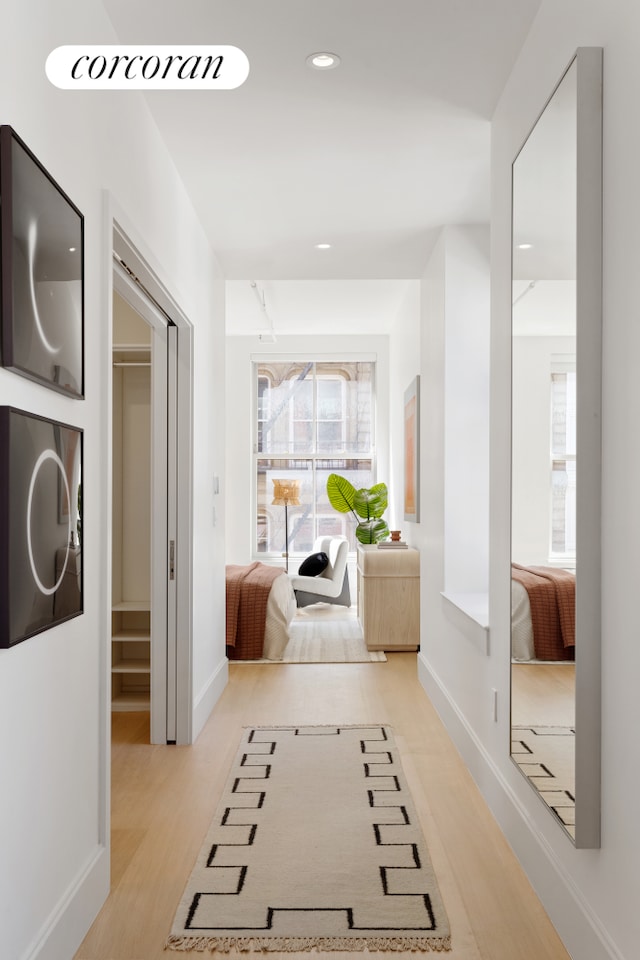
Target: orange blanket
[(552, 598), (247, 590)]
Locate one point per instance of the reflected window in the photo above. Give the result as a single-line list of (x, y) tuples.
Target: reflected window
[(563, 460)]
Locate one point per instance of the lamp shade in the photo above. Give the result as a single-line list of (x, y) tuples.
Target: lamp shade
[(286, 492)]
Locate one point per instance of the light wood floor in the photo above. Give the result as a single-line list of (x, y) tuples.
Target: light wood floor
[(543, 693), (164, 799)]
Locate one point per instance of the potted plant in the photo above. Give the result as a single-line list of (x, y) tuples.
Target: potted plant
[(367, 506)]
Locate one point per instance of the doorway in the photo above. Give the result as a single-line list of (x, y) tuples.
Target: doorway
[(151, 457), (131, 615)]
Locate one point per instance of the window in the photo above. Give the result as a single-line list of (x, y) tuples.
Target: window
[(563, 459), (262, 544), (311, 419), (263, 412)]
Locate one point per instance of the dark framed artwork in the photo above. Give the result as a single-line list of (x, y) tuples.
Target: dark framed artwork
[(42, 272), (40, 524), (412, 451)]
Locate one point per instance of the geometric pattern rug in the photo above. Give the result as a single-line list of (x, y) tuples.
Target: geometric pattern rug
[(315, 845), (546, 756)]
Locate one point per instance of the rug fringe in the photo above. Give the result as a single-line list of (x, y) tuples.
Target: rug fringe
[(307, 944)]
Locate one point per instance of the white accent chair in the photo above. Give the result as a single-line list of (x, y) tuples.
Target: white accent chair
[(332, 585)]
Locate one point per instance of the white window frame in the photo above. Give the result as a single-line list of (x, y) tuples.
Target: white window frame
[(315, 457)]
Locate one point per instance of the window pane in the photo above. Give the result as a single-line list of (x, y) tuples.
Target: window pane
[(329, 436), (563, 414), (263, 532), (287, 390), (563, 507), (302, 437), (359, 410), (299, 517), (563, 468), (312, 419), (302, 399), (330, 399)]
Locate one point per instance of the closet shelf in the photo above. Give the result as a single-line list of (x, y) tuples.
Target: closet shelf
[(132, 606), (131, 636), (131, 666), (131, 701)]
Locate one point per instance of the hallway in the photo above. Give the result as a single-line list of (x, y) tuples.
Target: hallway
[(164, 797)]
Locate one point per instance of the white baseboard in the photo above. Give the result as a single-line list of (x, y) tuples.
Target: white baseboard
[(210, 695), (581, 931), (68, 924)]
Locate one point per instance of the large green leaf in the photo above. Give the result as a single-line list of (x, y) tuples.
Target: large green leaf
[(341, 493), (372, 531), (371, 503)]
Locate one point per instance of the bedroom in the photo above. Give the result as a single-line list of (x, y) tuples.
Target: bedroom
[(256, 527), (309, 418)]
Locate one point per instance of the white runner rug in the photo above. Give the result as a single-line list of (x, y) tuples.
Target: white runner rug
[(315, 845)]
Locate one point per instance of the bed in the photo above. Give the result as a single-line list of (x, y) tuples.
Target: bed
[(260, 606), (543, 613)]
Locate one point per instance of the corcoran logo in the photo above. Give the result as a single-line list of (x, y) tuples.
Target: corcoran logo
[(100, 67)]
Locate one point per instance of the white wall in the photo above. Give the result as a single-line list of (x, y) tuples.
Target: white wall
[(54, 867), (589, 895), (209, 666), (466, 409), (240, 508), (453, 660), (454, 345)]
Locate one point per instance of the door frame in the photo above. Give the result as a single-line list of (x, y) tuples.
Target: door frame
[(122, 239)]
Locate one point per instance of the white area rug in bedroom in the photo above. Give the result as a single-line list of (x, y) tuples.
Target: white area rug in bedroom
[(328, 641), (326, 636)]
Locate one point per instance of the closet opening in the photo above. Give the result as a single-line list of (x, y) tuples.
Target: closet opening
[(131, 511), (151, 522)]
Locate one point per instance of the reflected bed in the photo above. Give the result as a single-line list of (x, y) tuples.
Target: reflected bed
[(543, 619)]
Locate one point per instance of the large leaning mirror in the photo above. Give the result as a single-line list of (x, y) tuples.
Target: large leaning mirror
[(556, 463)]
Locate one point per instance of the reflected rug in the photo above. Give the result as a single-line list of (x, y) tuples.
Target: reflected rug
[(315, 845), (546, 756)]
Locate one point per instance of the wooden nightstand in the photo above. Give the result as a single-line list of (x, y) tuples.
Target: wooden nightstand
[(389, 597)]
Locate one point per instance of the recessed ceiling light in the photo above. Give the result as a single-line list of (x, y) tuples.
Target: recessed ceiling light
[(525, 246), (323, 246), (323, 60)]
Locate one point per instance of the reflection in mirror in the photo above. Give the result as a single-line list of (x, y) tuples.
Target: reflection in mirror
[(551, 337)]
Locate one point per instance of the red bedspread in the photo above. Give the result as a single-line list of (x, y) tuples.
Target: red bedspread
[(552, 598), (247, 589)]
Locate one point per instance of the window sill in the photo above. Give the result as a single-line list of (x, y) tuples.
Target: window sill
[(470, 612)]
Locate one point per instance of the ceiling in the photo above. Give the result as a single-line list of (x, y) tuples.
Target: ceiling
[(372, 157)]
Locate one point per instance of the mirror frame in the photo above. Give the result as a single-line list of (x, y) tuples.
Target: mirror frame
[(588, 61)]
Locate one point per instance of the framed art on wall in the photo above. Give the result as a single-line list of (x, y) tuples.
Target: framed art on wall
[(412, 451), (42, 264), (40, 524)]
